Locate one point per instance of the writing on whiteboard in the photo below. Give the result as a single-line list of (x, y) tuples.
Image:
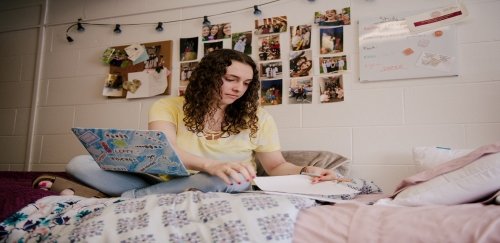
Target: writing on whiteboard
[(388, 50), (384, 19), (386, 30), (384, 68)]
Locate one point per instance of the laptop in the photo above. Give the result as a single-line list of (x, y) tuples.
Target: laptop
[(139, 151)]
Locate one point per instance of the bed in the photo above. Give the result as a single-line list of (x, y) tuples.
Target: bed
[(192, 216)]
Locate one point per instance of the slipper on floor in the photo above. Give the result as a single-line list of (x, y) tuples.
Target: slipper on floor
[(60, 183)]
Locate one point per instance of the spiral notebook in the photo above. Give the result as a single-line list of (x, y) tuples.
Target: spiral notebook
[(139, 151)]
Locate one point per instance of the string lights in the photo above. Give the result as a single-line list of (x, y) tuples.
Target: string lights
[(117, 29), (80, 27), (256, 11), (206, 21), (159, 25)]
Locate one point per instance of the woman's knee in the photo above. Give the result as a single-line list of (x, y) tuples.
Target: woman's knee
[(79, 163), (216, 184)]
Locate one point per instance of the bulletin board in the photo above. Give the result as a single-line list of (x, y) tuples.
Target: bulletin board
[(389, 51), (163, 50)]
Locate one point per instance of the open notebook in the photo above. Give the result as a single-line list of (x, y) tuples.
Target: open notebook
[(140, 151), (300, 185)]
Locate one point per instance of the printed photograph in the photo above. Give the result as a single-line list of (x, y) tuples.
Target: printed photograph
[(269, 48), (332, 64), (331, 40), (272, 25), (242, 42), (269, 70), (215, 32), (300, 37), (300, 91), (333, 17), (331, 89), (186, 69), (155, 59), (188, 49), (301, 63), (271, 91), (211, 46), (113, 85)]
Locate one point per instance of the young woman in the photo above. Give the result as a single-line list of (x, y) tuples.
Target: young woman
[(205, 32), (226, 30), (214, 31), (217, 128)]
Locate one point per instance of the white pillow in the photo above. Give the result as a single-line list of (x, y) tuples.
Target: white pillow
[(428, 157), (467, 184)]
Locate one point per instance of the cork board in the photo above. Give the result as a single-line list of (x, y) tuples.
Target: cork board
[(161, 51)]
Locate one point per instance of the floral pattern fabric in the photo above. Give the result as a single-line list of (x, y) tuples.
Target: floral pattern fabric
[(185, 217)]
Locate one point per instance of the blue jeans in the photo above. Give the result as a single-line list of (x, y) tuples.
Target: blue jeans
[(134, 185)]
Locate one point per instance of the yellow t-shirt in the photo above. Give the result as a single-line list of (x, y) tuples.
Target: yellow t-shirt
[(234, 148)]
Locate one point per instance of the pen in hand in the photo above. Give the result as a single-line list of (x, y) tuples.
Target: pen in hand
[(310, 174), (315, 177)]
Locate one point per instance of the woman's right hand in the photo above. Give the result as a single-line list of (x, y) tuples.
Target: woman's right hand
[(231, 172)]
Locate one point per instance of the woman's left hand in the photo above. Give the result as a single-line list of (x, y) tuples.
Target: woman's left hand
[(320, 174)]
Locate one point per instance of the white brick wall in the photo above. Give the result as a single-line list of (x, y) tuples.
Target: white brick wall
[(377, 125)]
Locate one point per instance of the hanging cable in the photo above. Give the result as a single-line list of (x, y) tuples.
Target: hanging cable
[(159, 27)]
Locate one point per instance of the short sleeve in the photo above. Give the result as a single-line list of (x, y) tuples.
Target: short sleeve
[(267, 135), (166, 109)]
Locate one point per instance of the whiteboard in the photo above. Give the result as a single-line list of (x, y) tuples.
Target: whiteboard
[(388, 51)]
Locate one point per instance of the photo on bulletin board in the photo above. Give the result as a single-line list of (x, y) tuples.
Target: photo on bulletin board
[(216, 32), (242, 42), (271, 92), (331, 89), (301, 63), (300, 37), (211, 46), (389, 51), (331, 40), (188, 49), (274, 25), (333, 64), (139, 70), (187, 69), (270, 70), (300, 91), (269, 47), (333, 17)]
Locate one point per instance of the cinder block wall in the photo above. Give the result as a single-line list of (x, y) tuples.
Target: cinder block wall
[(376, 126)]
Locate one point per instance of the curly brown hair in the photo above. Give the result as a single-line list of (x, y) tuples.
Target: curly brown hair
[(203, 94)]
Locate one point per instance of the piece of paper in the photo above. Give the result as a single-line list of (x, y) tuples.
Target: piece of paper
[(151, 83), (435, 61), (437, 18), (136, 53), (301, 184)]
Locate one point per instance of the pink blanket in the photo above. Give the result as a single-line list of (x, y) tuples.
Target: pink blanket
[(357, 222), (447, 167)]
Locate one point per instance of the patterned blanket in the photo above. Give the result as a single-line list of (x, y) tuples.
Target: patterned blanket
[(185, 217)]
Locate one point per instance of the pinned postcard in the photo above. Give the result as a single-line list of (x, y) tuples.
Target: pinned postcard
[(147, 83), (435, 61), (136, 53), (437, 18)]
